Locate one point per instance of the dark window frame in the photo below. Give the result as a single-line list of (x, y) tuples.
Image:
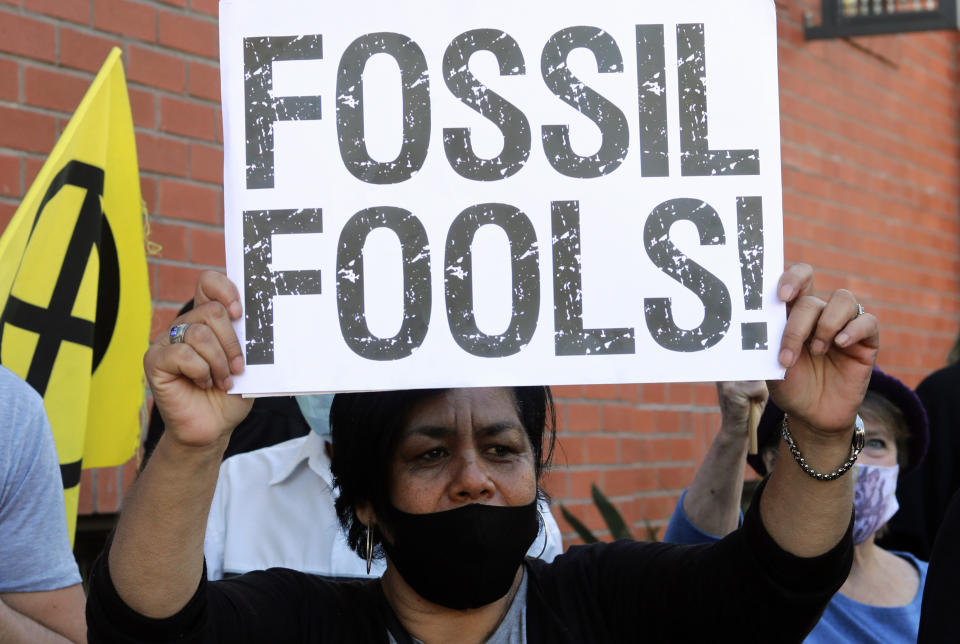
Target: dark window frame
[(835, 25)]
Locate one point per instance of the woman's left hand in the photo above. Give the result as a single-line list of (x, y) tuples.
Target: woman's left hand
[(829, 349)]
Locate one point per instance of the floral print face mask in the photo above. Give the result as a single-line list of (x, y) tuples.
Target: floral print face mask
[(874, 498)]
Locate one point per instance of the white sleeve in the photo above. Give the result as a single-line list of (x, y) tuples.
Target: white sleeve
[(213, 541)]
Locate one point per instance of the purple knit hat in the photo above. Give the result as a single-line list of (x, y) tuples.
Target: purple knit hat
[(891, 388)]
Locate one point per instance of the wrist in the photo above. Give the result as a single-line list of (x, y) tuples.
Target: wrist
[(732, 434), (171, 447), (824, 456)]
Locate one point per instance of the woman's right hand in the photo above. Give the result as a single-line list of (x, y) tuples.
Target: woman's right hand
[(189, 380)]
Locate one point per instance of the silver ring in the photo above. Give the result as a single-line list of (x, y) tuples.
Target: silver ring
[(177, 332), (860, 310)]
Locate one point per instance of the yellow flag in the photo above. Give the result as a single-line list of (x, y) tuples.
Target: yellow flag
[(74, 295)]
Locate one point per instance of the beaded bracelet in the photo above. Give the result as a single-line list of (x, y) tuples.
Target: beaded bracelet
[(856, 446)]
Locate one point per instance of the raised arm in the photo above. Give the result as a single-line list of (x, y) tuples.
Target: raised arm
[(829, 349), (712, 502), (156, 558)]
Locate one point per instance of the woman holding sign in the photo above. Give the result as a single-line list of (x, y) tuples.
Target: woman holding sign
[(445, 483)]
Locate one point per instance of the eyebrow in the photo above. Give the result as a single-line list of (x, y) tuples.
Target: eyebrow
[(440, 431)]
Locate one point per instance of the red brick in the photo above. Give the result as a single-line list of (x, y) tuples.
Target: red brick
[(601, 450), (84, 51), (161, 319), (554, 483), (109, 490), (180, 200), (156, 69), (567, 391), (87, 488), (171, 283), (654, 450), (188, 119), (6, 214), (54, 90), (162, 154), (654, 393), (618, 418), (9, 80), (25, 130), (206, 163), (27, 37), (680, 393), (569, 451), (72, 10), (583, 418), (602, 392), (187, 33), (205, 81), (31, 167), (129, 473), (630, 481), (10, 179), (148, 191), (208, 7), (124, 17), (175, 3), (206, 247), (143, 107), (171, 240), (675, 478)]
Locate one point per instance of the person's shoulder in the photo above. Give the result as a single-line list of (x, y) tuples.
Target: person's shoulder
[(13, 389), (266, 455), (312, 589), (942, 380), (918, 563)]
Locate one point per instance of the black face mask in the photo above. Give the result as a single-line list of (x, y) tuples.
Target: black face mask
[(463, 558)]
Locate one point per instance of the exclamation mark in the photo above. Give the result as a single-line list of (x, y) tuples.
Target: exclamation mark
[(750, 240)]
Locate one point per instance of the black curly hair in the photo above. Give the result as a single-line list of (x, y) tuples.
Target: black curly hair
[(366, 427)]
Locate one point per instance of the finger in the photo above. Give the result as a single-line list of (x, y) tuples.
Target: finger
[(840, 309), (863, 329), (796, 282), (207, 345), (177, 361), (800, 325), (215, 287), (215, 316)]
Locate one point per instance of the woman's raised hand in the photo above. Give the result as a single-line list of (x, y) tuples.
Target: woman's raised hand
[(829, 349), (189, 379)]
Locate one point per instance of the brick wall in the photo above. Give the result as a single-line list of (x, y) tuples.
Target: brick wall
[(871, 173)]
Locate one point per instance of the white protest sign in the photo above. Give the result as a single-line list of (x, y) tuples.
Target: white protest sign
[(473, 193)]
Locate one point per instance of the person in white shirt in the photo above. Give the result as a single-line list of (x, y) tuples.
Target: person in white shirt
[(274, 507)]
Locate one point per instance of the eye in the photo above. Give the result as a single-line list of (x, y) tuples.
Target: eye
[(433, 455), (876, 443), (500, 451)]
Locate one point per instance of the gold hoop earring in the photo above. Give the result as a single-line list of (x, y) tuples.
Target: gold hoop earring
[(369, 548)]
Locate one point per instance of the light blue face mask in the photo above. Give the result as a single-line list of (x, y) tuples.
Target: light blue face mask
[(316, 409)]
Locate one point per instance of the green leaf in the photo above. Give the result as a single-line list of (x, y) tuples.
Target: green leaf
[(615, 523), (581, 529)]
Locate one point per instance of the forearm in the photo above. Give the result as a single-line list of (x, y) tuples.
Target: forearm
[(17, 628), (712, 502), (156, 558), (807, 517)]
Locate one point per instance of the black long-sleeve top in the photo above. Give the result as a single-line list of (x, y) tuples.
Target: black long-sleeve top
[(743, 588)]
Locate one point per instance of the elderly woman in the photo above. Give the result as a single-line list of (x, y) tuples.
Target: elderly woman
[(880, 599), (445, 484)]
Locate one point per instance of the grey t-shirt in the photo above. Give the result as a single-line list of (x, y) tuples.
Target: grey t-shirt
[(35, 550), (513, 628)]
